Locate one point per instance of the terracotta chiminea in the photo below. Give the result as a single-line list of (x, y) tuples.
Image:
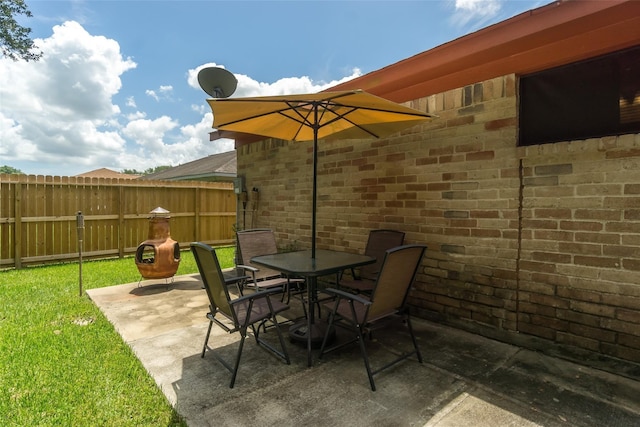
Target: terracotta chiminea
[(158, 257)]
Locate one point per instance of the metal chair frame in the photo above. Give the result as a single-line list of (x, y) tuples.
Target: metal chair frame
[(360, 314), (242, 313), (256, 242), (378, 242)]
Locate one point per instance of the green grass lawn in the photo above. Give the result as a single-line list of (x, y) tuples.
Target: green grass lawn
[(61, 361)]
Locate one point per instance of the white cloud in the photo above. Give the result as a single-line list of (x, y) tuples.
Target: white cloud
[(152, 94), (136, 116), (250, 87), (285, 86), (475, 12), (163, 92), (152, 149), (60, 116), (56, 110)]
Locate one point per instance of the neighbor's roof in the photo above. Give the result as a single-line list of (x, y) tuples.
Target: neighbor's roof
[(216, 165), (106, 173)]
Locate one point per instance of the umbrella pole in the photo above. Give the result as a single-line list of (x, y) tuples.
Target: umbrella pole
[(315, 183)]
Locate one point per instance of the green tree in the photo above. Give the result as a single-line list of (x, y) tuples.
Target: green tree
[(15, 41), (10, 169), (147, 171), (156, 169), (131, 172)]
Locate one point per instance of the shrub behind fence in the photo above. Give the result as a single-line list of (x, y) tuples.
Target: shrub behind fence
[(38, 215)]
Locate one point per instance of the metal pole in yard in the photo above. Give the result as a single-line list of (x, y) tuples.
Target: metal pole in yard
[(80, 227)]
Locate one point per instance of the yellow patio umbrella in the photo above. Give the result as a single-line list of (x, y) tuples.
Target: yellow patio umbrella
[(310, 117)]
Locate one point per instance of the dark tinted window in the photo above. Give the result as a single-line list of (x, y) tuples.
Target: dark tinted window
[(586, 99)]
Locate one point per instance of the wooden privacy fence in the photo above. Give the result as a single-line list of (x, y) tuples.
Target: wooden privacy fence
[(38, 215)]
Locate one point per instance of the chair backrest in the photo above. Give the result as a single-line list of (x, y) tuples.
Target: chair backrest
[(257, 242), (377, 245), (212, 278), (398, 271)]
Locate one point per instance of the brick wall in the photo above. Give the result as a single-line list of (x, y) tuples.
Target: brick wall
[(580, 262), (541, 242)]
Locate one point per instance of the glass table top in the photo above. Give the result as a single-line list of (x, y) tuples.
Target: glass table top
[(301, 263)]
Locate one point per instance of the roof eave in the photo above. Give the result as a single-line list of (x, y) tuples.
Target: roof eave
[(552, 35), (556, 34)]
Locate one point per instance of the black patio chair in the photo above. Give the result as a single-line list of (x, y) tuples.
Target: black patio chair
[(237, 315), (258, 242), (360, 314), (378, 243)]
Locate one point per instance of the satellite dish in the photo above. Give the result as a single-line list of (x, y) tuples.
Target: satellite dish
[(217, 82)]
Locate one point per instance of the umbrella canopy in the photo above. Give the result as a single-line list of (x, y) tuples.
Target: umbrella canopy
[(310, 117), (333, 115)]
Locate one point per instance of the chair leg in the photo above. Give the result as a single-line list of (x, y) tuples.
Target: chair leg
[(365, 357), (206, 339), (332, 315), (281, 338), (243, 334), (413, 338), (286, 291), (261, 342)]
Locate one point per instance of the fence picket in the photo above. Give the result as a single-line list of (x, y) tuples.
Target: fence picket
[(38, 215)]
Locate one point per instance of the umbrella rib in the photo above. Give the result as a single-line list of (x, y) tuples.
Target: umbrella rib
[(291, 106), (343, 116), (383, 110), (246, 118), (302, 118)]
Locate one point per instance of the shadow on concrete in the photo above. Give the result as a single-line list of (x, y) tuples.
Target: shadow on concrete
[(465, 380)]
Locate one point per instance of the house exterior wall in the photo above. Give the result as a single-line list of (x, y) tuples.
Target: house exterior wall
[(535, 245)]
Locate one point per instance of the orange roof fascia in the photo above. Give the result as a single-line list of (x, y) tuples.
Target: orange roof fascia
[(552, 35), (557, 34)]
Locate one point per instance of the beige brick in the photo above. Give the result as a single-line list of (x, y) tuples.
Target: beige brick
[(578, 341), (454, 184), (537, 330), (594, 333), (621, 326), (632, 316), (600, 262), (620, 352), (629, 341), (578, 295), (580, 248)]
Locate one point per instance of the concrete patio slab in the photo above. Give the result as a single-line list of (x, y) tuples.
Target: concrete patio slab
[(465, 380)]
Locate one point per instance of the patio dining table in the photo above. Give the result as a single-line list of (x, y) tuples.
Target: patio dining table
[(301, 264)]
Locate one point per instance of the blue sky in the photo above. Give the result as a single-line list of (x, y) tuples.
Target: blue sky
[(117, 88)]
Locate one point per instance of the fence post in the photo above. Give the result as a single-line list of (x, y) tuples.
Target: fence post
[(17, 214), (121, 236), (196, 220), (80, 227)]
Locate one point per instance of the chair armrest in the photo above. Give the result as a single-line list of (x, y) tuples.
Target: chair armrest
[(256, 295), (235, 279), (250, 269), (247, 267), (348, 296)]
